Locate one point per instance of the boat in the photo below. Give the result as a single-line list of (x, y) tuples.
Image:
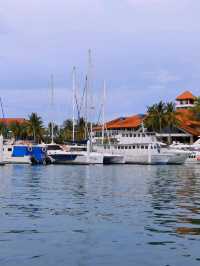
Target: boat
[(142, 148), (92, 157), (57, 155), (193, 151), (24, 154)]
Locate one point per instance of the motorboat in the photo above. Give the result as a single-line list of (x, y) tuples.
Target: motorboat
[(57, 155), (24, 154)]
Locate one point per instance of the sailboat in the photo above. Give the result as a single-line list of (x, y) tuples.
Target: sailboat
[(56, 154), (108, 157)]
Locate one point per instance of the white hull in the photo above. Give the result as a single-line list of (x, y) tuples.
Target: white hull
[(147, 159), (95, 158), (192, 161), (17, 160)]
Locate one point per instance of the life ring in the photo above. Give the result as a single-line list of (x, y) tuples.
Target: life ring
[(30, 149), (44, 149)]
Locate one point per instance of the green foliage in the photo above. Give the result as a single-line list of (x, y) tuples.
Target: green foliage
[(160, 116), (35, 128)]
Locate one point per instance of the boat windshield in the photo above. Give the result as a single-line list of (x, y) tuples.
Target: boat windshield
[(54, 147)]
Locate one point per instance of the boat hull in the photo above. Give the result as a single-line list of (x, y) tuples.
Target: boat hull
[(68, 159)]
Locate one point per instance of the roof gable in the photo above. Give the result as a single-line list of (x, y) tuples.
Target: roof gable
[(186, 95)]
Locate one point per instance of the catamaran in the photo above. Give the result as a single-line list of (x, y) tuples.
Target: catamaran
[(142, 148)]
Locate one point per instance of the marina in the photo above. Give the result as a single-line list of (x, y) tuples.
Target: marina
[(99, 133)]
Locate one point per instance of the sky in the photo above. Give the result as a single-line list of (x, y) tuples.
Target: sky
[(145, 50)]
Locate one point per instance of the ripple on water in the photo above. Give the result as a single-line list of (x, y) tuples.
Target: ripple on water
[(58, 215)]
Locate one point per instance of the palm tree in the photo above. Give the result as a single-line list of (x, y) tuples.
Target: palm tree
[(3, 129), (16, 129), (35, 127), (171, 117), (155, 119)]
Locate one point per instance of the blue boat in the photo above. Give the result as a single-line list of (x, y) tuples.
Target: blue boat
[(24, 154)]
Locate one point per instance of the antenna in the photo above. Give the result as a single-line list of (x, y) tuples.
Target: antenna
[(52, 105)]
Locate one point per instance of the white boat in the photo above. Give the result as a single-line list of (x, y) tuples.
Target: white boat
[(193, 158), (16, 154), (57, 155), (193, 150), (176, 156), (143, 148), (92, 157), (136, 153)]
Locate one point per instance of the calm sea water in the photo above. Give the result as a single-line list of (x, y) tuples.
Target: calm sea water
[(99, 215)]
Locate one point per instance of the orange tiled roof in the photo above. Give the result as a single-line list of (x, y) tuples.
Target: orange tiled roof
[(187, 95), (123, 122), (8, 121), (187, 122), (184, 116)]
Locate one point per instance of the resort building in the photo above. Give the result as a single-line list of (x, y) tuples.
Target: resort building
[(9, 121), (185, 100), (187, 131)]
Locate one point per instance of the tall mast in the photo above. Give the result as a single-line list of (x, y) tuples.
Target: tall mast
[(73, 102), (103, 111), (90, 89), (86, 107), (52, 106)]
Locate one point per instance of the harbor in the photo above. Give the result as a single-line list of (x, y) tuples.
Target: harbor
[(99, 133)]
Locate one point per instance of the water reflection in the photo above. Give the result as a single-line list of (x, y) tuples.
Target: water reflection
[(96, 215), (175, 201)]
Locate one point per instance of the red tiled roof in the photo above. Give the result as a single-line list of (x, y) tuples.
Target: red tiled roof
[(184, 116), (8, 121), (123, 122), (187, 95), (187, 122)]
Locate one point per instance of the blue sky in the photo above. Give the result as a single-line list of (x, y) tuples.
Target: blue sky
[(146, 50)]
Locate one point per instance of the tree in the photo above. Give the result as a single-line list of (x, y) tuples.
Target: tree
[(155, 119), (16, 129), (35, 127), (171, 115), (3, 129)]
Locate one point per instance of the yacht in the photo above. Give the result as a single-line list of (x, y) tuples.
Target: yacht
[(95, 157), (57, 155), (142, 148), (193, 151)]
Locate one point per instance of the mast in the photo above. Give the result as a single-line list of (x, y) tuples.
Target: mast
[(103, 111), (91, 107), (73, 102), (52, 105)]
